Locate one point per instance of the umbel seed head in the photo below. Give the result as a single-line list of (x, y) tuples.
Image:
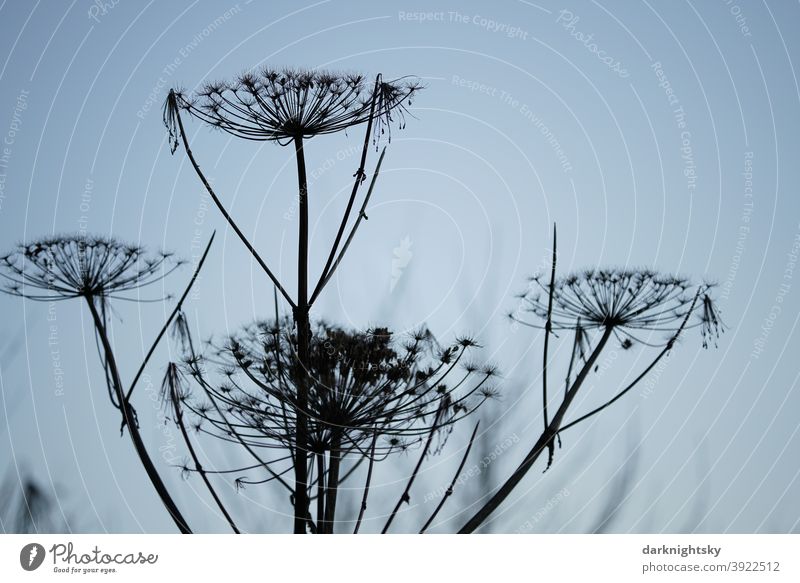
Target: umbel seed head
[(69, 266), (625, 300), (360, 384), (282, 105)]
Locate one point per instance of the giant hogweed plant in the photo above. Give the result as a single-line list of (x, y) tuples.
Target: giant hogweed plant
[(590, 309), (318, 400), (371, 395), (290, 107), (99, 271)]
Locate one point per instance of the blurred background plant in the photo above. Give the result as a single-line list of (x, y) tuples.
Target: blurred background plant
[(26, 507)]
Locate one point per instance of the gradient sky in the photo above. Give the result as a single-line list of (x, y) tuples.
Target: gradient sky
[(521, 124)]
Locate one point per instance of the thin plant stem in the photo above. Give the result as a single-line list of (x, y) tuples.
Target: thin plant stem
[(404, 497), (280, 374), (235, 433), (363, 508), (575, 346), (352, 469), (449, 491), (301, 317), (548, 328), (360, 176), (618, 395), (129, 419), (171, 317), (274, 475), (321, 491), (222, 209), (331, 489), (201, 381), (544, 440), (361, 215), (175, 398), (644, 373)]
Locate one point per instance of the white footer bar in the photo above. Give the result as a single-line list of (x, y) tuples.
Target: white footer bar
[(402, 559)]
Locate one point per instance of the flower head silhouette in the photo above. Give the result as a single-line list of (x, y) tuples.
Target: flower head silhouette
[(98, 270), (289, 106), (625, 300), (283, 105), (360, 384), (71, 266)]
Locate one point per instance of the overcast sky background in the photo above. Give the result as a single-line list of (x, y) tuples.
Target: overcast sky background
[(520, 125)]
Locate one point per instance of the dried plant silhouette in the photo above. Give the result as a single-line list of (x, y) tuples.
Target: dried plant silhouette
[(99, 270), (593, 307), (289, 107), (310, 402), (370, 394)]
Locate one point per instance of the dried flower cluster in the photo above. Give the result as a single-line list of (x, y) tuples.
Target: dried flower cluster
[(72, 266), (596, 305), (288, 106), (360, 385), (97, 270), (623, 299), (283, 105), (314, 395)]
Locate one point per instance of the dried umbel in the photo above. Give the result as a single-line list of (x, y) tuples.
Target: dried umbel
[(98, 270), (360, 384), (625, 300), (283, 105), (597, 305), (288, 107), (72, 266)]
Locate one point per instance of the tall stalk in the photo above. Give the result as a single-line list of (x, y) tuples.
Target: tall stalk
[(320, 457), (301, 318), (405, 496), (331, 490), (129, 418), (365, 494), (174, 397), (544, 441), (286, 106)]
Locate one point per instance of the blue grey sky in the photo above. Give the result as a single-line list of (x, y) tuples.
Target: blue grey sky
[(657, 134)]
